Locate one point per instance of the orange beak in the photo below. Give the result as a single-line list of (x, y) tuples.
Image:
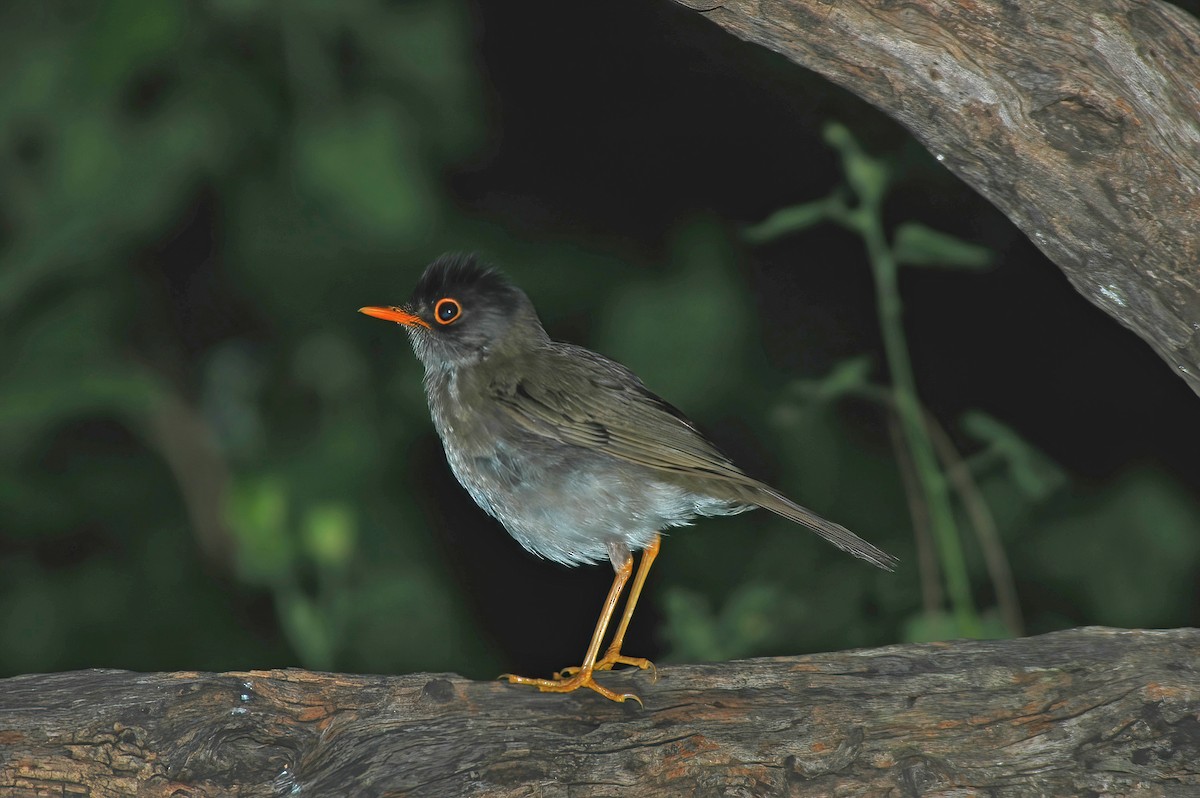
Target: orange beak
[(398, 315)]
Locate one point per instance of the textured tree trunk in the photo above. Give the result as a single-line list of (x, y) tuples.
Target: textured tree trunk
[(1078, 119), (1083, 712)]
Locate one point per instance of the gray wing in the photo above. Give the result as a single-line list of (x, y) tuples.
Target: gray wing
[(590, 401)]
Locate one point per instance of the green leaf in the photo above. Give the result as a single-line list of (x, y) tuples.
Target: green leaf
[(432, 45), (750, 617), (690, 627), (258, 517), (129, 34), (755, 617), (329, 535), (685, 330), (65, 366), (868, 177), (918, 245), (849, 376), (992, 626), (31, 616), (930, 627), (787, 221), (1034, 473), (1126, 553), (307, 630), (365, 167), (409, 617)]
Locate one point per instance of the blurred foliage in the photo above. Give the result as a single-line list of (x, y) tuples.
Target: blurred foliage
[(208, 461), (312, 139), (858, 206), (1016, 486)]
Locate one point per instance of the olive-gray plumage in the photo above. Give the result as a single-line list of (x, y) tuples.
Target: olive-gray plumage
[(567, 449)]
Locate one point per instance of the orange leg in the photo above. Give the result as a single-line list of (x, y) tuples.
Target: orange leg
[(612, 655), (582, 676)]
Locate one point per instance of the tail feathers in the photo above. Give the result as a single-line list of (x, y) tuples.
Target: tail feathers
[(770, 499)]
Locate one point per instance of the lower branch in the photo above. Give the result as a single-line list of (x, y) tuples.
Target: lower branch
[(1087, 711)]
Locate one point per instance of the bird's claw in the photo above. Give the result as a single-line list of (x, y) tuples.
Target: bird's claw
[(607, 662), (577, 679)]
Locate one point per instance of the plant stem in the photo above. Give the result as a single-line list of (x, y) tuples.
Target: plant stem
[(866, 219)]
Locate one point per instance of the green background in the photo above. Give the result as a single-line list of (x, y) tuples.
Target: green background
[(208, 460)]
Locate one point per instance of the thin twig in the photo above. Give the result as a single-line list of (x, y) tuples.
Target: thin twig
[(930, 573), (984, 524)]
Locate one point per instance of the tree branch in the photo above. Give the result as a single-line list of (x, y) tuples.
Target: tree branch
[(1078, 119), (1088, 711)]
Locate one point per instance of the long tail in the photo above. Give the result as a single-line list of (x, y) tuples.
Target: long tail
[(770, 499)]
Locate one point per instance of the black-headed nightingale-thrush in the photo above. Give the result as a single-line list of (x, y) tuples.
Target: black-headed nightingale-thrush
[(567, 449)]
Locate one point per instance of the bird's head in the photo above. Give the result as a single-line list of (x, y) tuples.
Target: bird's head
[(461, 312)]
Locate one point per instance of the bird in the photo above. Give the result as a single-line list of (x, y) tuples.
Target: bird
[(569, 450)]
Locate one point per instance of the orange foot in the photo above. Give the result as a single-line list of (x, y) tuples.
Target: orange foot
[(613, 657), (578, 678)]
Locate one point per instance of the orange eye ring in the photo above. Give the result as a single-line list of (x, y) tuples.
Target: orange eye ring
[(447, 310)]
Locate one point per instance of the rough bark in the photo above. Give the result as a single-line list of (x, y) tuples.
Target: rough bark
[(1078, 119), (1081, 712)]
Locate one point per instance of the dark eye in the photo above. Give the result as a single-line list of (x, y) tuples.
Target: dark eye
[(447, 310)]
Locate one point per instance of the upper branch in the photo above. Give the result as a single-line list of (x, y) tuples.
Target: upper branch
[(1078, 119)]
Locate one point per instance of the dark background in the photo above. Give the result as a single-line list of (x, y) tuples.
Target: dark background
[(208, 460)]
